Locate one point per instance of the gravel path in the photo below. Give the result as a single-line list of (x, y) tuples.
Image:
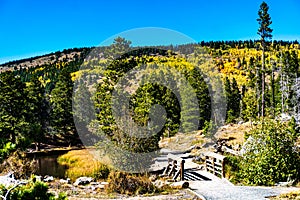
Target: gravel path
[(221, 189)]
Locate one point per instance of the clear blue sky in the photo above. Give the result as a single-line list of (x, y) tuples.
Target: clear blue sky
[(35, 27)]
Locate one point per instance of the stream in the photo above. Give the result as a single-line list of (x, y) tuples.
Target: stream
[(46, 163)]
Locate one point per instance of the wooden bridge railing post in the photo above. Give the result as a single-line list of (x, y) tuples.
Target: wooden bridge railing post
[(215, 163), (223, 168), (182, 170), (175, 168), (206, 166)]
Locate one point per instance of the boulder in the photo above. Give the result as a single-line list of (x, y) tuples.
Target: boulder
[(8, 179), (48, 178), (83, 180), (96, 185), (153, 178), (63, 181), (160, 184)]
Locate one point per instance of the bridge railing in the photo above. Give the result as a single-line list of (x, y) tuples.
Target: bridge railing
[(214, 163), (175, 168)]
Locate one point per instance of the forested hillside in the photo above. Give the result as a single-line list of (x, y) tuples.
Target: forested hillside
[(124, 99), (122, 119), (38, 99), (101, 99)]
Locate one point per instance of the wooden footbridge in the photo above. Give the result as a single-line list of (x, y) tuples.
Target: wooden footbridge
[(208, 180), (180, 168)]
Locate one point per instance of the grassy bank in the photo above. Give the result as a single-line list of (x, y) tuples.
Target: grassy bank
[(83, 163)]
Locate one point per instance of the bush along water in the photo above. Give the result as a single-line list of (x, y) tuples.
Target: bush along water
[(31, 190)]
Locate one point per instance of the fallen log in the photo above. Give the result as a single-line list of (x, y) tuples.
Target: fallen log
[(180, 185)]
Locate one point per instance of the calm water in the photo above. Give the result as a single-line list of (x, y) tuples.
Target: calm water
[(48, 165)]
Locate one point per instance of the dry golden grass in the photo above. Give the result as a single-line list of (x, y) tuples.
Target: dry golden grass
[(234, 132), (182, 141), (125, 183), (83, 163), (292, 195)]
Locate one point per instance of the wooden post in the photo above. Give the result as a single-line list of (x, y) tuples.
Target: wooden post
[(213, 165), (169, 161), (182, 170), (173, 168), (223, 168), (206, 157)]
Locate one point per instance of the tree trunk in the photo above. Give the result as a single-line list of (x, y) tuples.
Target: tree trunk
[(257, 92), (282, 97), (263, 81), (273, 91)]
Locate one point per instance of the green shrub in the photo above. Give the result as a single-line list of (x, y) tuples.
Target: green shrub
[(32, 190), (230, 116), (271, 155), (37, 190), (209, 128), (6, 149), (124, 183), (62, 196), (232, 168)]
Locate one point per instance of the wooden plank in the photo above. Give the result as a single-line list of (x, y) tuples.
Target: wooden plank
[(215, 155), (176, 175), (218, 164), (209, 165), (220, 173), (210, 168)]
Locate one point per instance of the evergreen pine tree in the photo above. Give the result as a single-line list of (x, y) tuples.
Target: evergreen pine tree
[(265, 33), (38, 107), (61, 105), (13, 109)]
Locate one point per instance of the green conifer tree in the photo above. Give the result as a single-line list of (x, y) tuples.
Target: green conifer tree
[(265, 33)]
